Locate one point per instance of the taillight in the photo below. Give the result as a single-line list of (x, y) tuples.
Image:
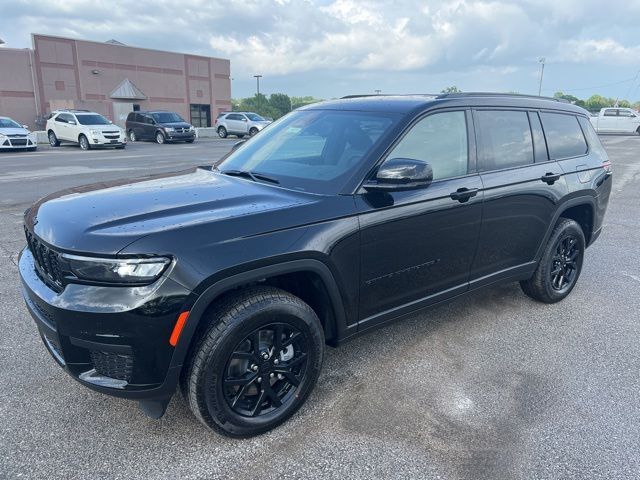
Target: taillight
[(606, 165)]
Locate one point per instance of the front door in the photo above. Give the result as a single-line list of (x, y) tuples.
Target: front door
[(417, 246)]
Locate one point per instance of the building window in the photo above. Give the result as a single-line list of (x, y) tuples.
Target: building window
[(136, 107), (59, 85), (200, 115)]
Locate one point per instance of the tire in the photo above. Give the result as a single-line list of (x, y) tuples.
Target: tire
[(83, 141), (222, 132), (248, 408), (638, 130), (120, 147), (560, 265), (253, 131), (53, 140), (132, 136), (32, 149), (241, 135), (160, 138), (190, 141)]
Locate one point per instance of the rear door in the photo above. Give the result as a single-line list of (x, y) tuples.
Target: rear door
[(63, 130), (522, 189), (608, 122)]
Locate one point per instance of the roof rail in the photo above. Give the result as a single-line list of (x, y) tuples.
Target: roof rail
[(459, 94), (70, 110), (496, 94)]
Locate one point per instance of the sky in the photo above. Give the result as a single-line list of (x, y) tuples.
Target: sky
[(331, 48)]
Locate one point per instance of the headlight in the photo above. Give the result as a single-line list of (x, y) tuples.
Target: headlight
[(169, 129), (138, 271), (95, 132), (191, 128), (2, 136)]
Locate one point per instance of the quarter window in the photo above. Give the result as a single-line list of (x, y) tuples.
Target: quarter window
[(504, 139), (564, 135), (440, 140)]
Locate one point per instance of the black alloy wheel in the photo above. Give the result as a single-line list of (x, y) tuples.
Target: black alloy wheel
[(265, 370), (564, 270), (255, 364), (560, 265)]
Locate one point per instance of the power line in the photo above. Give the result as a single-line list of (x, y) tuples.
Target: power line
[(597, 86)]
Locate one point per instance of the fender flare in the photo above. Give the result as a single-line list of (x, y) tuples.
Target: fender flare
[(563, 207), (218, 288)]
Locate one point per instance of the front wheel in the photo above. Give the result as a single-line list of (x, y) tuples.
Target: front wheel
[(256, 364), (160, 138), (253, 131), (132, 136), (560, 265), (84, 143), (53, 140)]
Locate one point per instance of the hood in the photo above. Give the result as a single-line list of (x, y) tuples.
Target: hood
[(104, 218), (14, 131)]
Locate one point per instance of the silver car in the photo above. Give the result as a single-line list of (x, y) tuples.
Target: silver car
[(16, 136), (240, 124)]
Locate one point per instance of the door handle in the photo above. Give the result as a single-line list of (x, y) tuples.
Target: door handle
[(463, 194), (550, 178)]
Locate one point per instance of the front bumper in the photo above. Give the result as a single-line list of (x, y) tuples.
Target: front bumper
[(180, 136), (14, 143), (107, 140), (110, 339)]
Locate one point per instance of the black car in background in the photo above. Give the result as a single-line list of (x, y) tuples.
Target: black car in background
[(339, 218), (159, 126)]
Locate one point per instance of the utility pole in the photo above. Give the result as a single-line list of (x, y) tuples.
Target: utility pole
[(541, 60), (258, 77)]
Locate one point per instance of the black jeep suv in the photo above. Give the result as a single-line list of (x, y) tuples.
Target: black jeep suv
[(342, 216)]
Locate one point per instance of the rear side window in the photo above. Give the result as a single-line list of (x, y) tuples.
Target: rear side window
[(131, 117), (564, 135), (610, 112), (504, 139), (439, 139)]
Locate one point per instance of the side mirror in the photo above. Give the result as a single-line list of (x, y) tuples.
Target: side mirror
[(110, 122), (398, 174), (26, 127), (244, 120), (237, 145), (71, 122)]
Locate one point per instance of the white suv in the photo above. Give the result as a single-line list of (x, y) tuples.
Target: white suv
[(88, 129), (239, 124)]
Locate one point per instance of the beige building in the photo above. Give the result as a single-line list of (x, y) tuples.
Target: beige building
[(110, 78)]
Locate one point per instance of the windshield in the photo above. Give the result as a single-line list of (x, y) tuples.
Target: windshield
[(167, 117), (254, 117), (93, 119), (8, 123), (311, 150)]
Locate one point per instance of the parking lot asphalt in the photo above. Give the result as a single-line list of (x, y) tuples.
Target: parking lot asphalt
[(491, 386)]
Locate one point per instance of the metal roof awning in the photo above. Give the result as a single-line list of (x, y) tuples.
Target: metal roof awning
[(127, 91)]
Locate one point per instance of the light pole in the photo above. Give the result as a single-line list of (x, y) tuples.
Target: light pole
[(258, 77), (541, 60)]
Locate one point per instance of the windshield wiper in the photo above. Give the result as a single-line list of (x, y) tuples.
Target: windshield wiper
[(250, 175)]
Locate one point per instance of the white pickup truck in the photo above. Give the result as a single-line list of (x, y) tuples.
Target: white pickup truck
[(616, 120)]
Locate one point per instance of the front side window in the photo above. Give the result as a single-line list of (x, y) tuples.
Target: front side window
[(504, 139), (92, 119), (254, 117), (441, 141), (564, 135), (311, 150)]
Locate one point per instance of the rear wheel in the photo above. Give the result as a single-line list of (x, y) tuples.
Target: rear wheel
[(256, 364), (222, 132), (84, 142), (53, 140), (560, 265)]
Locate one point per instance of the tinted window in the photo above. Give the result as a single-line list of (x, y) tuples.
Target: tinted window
[(504, 139), (234, 116), (254, 117), (592, 138), (167, 117), (312, 150), (63, 118), (564, 135), (440, 140), (539, 144), (131, 117), (610, 112), (625, 113), (92, 119)]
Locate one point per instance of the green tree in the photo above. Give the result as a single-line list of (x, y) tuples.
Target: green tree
[(451, 89), (297, 102), (280, 102), (566, 96)]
